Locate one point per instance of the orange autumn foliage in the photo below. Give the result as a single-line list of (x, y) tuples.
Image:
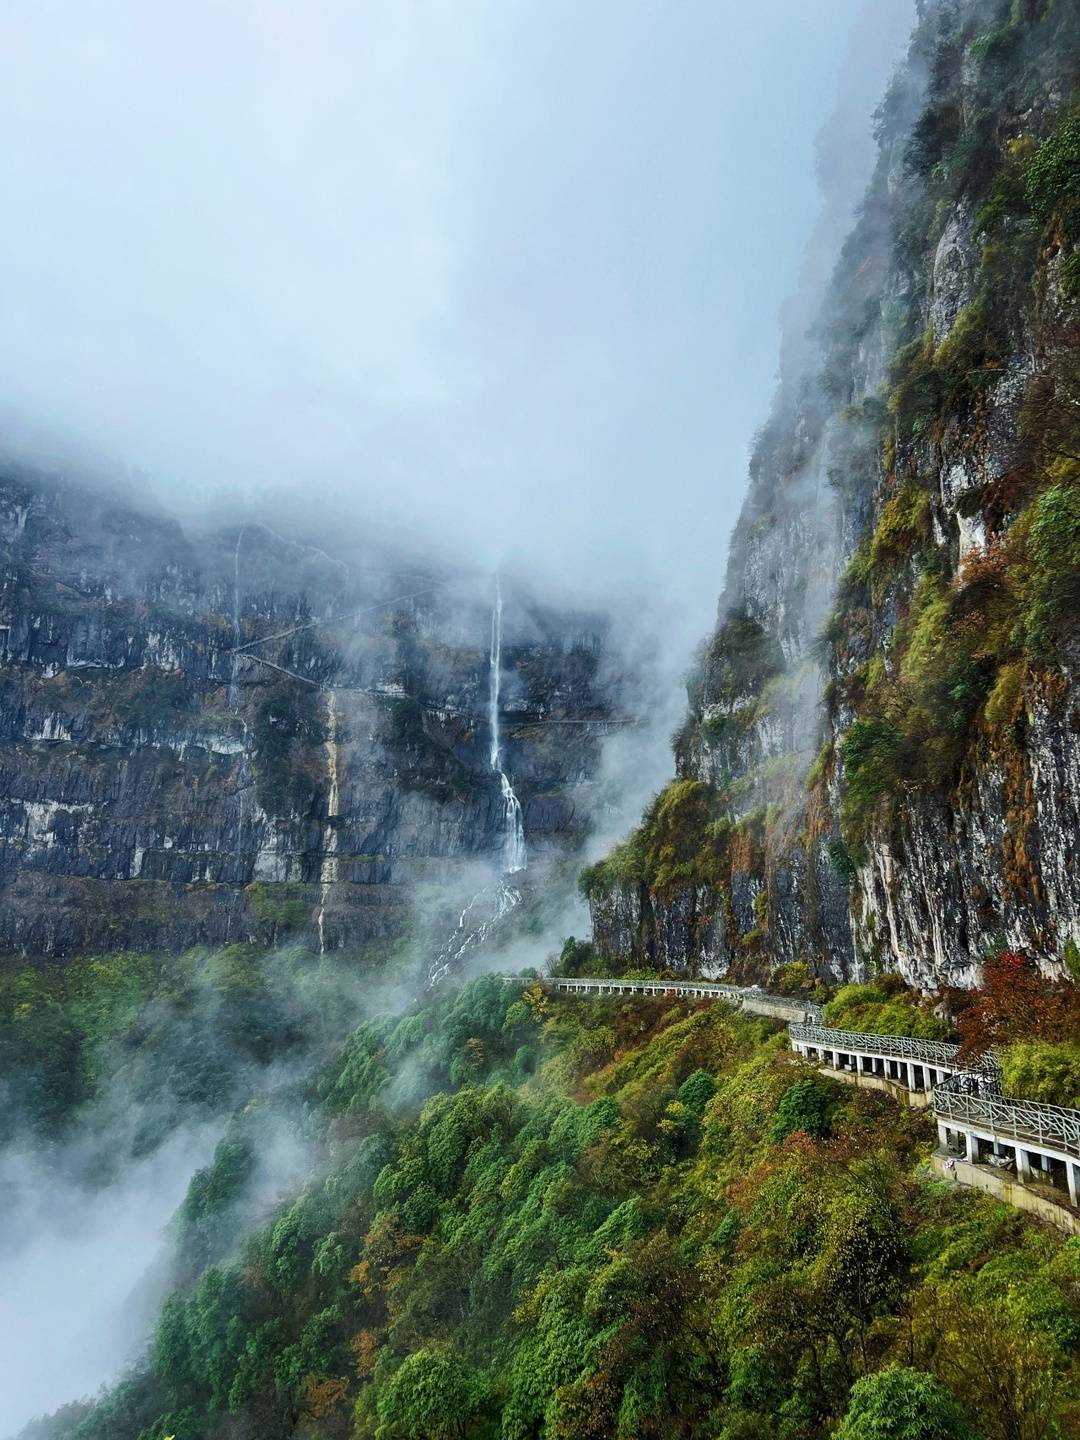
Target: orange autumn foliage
[(322, 1393), (1015, 1002)]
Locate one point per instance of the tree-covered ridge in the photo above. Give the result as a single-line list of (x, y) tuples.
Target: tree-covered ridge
[(165, 1039), (610, 1219)]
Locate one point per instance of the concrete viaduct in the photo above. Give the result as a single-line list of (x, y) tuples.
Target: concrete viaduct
[(1014, 1149)]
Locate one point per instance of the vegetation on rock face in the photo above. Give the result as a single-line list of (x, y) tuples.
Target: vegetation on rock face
[(425, 754), (288, 724), (739, 661), (957, 485), (680, 844), (541, 1216), (972, 634)]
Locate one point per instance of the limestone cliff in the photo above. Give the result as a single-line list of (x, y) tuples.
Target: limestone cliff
[(880, 765), (229, 735)]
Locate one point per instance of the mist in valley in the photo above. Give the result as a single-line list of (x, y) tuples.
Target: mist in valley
[(430, 294)]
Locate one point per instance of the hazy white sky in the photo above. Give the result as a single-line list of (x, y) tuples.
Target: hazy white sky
[(506, 271)]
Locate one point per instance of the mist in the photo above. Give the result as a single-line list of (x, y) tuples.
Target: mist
[(495, 284), (504, 275), (77, 1290)]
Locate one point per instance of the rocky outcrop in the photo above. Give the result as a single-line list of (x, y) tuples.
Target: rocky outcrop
[(886, 717), (190, 725)]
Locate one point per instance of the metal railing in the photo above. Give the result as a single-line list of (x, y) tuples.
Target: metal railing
[(649, 987), (898, 1047), (1047, 1126), (751, 999)]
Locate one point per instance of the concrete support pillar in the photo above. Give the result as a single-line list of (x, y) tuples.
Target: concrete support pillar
[(1023, 1165), (943, 1135), (1074, 1182)]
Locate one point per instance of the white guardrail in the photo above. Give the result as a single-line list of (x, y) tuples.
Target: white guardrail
[(648, 987), (970, 1096), (1051, 1127), (896, 1047)]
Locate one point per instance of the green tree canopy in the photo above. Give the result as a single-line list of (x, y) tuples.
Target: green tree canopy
[(902, 1404)]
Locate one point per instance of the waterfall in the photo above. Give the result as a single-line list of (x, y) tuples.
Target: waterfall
[(483, 915), (234, 693), (513, 848), (328, 866), (234, 704)]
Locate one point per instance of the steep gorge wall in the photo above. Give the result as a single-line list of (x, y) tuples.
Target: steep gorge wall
[(880, 765), (158, 790)]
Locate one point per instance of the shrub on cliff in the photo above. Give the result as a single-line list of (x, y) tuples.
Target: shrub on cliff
[(1052, 185), (741, 658), (1053, 589), (869, 751), (289, 729), (1040, 1070), (681, 844), (886, 1007), (903, 1404)]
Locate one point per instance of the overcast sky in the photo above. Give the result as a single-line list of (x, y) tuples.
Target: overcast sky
[(509, 272)]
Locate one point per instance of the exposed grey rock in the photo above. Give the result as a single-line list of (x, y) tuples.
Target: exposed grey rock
[(138, 805)]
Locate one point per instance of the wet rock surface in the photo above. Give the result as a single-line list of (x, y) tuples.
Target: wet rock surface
[(932, 349), (160, 787)]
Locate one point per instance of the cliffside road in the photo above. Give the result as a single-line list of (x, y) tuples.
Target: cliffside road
[(976, 1124)]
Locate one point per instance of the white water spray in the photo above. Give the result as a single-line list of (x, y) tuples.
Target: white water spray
[(514, 855), (328, 867), (482, 916), (234, 703)]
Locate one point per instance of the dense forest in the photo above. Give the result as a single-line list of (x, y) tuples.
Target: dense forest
[(529, 1215), (505, 1213)]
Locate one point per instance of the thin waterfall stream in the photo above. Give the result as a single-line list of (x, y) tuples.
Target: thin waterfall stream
[(514, 852), (488, 906), (328, 865)]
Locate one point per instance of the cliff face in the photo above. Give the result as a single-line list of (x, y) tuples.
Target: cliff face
[(880, 765), (160, 788)]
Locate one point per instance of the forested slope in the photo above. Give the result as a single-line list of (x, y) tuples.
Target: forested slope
[(579, 1219)]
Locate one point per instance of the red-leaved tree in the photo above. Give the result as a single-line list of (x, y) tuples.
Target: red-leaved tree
[(1015, 1002)]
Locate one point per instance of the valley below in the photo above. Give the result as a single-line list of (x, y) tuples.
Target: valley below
[(404, 1035)]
